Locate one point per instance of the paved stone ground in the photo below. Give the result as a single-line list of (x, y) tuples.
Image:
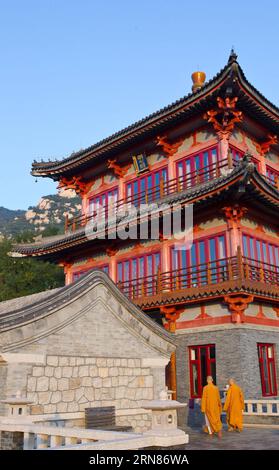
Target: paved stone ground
[(249, 439)]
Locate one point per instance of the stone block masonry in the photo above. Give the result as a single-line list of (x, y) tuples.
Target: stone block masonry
[(236, 356), (71, 384), (86, 346)]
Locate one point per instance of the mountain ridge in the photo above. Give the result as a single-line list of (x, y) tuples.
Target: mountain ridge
[(49, 211)]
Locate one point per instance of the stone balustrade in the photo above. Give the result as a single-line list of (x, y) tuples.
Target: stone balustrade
[(18, 432), (262, 407), (42, 437)]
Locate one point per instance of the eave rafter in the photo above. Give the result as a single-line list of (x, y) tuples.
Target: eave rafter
[(243, 182), (230, 79), (236, 289)]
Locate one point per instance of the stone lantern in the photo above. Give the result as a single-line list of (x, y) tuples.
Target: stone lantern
[(164, 421), (18, 407)]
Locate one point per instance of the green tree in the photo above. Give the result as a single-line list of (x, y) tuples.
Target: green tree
[(26, 236), (24, 276), (52, 230)]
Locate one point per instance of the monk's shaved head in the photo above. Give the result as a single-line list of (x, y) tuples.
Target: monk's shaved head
[(209, 379), (231, 381)]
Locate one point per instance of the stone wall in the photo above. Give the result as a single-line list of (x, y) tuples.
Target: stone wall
[(236, 356), (87, 346), (70, 384), (3, 382)]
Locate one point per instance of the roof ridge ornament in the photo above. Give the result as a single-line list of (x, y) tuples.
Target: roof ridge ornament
[(224, 117), (198, 79), (233, 56), (247, 157)]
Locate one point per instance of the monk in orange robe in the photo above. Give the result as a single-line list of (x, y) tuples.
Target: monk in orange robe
[(234, 406), (211, 406)]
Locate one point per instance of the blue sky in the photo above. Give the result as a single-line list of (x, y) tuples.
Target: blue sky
[(75, 71)]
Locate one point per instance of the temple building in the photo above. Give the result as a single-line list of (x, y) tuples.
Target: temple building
[(215, 150)]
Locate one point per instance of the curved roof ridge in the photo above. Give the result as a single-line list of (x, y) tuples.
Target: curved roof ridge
[(181, 101), (256, 91), (244, 169), (71, 292), (232, 67)]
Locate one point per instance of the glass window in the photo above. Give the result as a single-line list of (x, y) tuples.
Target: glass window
[(266, 354), (262, 255), (272, 176), (197, 168), (101, 204), (205, 262), (135, 272), (202, 363), (146, 188)]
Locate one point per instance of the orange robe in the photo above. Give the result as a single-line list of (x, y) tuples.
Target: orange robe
[(234, 405), (212, 407)]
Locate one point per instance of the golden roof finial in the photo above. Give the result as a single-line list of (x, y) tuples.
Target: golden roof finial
[(198, 79)]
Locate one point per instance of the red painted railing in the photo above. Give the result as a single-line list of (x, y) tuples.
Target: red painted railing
[(274, 181), (165, 188), (202, 275)]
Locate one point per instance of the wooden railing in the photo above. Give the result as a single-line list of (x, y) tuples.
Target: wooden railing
[(202, 275), (155, 193), (273, 181)]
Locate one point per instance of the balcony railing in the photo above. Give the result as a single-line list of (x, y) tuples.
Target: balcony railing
[(273, 180), (156, 192), (226, 273)]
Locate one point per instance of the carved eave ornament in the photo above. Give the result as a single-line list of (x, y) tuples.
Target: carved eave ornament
[(224, 117), (169, 149), (264, 147), (118, 170), (76, 183), (237, 304)]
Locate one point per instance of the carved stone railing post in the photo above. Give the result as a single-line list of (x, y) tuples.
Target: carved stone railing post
[(42, 441), (55, 441), (249, 408), (70, 441), (29, 441)]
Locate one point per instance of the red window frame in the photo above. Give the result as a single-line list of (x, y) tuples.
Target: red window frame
[(193, 271), (201, 381), (253, 248), (261, 259), (146, 282), (268, 376), (78, 274), (187, 171), (272, 176), (104, 197), (144, 193)]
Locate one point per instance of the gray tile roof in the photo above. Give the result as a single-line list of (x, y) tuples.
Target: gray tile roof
[(9, 306)]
